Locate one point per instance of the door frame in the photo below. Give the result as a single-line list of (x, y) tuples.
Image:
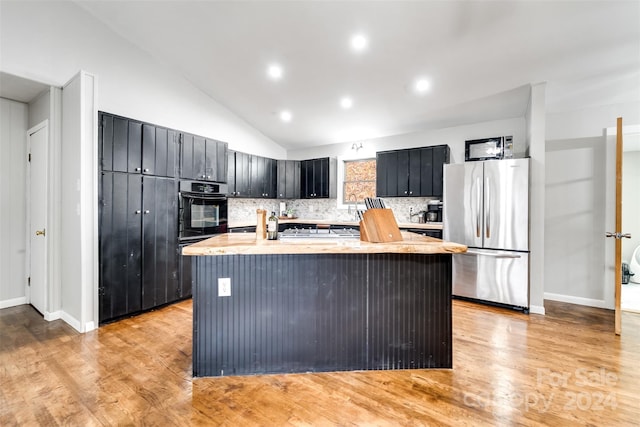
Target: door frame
[(611, 274), (45, 262)]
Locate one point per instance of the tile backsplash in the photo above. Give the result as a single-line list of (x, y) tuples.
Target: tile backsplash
[(244, 210)]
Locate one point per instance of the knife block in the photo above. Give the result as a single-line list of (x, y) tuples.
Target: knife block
[(379, 226)]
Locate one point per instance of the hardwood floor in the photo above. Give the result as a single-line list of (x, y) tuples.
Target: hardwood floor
[(566, 368)]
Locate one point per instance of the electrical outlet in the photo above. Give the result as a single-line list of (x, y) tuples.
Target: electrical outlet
[(224, 286)]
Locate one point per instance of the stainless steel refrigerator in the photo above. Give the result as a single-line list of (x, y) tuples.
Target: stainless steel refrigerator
[(486, 207)]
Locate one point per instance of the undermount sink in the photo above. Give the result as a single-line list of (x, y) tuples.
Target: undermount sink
[(320, 233)]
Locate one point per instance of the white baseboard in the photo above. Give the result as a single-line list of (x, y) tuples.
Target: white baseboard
[(52, 315), (598, 303), (13, 302), (89, 326), (536, 309), (72, 321), (76, 324)]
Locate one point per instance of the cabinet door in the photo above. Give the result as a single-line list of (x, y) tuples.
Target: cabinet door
[(159, 151), (387, 174), (288, 172), (160, 240), (256, 176), (426, 171), (186, 277), (186, 156), (306, 181), (221, 161), (403, 173), (231, 172), (134, 147), (113, 142), (440, 158), (243, 174), (120, 144), (321, 177), (293, 179), (271, 179), (215, 161), (149, 150), (120, 245), (414, 173), (199, 158)]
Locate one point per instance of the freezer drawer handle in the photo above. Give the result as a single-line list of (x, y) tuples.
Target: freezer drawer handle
[(492, 255)]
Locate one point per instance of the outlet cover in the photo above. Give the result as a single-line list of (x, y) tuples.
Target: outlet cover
[(224, 286)]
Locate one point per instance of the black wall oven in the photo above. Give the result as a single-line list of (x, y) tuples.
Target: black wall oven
[(203, 210)]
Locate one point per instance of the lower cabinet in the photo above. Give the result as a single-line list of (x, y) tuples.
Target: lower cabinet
[(138, 244)]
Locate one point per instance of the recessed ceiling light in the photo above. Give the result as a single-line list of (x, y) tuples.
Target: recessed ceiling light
[(359, 42), (285, 116), (422, 85), (275, 71), (346, 102)]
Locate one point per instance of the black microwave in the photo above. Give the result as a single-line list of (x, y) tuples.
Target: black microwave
[(500, 147)]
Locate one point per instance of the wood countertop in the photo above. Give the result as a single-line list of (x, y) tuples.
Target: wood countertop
[(246, 244), (415, 225)]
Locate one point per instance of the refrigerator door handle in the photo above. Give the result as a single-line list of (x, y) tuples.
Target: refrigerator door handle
[(487, 218), (478, 206), (491, 254)]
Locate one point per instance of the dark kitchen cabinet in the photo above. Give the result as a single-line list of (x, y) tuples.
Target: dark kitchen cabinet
[(288, 179), (239, 174), (131, 146), (137, 243), (264, 177), (202, 158), (318, 178), (415, 172)]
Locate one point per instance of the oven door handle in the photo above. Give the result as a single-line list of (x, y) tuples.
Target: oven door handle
[(203, 196)]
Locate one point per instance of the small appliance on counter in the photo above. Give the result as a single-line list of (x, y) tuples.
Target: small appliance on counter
[(434, 211)]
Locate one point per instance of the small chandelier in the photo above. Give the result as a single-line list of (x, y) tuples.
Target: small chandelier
[(356, 146)]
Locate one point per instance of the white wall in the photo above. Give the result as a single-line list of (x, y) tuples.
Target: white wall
[(453, 136), (630, 203), (51, 41), (589, 122), (574, 221), (13, 241)]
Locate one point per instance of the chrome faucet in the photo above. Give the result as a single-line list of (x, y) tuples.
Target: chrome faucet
[(353, 198)]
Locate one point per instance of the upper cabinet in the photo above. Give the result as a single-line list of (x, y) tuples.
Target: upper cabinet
[(264, 177), (130, 146), (318, 178), (288, 179), (251, 176), (415, 172), (202, 158)]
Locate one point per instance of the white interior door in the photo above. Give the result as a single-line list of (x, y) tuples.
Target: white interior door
[(38, 138)]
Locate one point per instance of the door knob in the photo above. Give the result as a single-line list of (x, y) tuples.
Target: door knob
[(618, 235), (40, 232)]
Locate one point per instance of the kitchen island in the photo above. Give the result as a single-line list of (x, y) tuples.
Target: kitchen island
[(309, 305)]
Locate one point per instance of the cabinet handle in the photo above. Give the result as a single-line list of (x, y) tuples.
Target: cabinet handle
[(145, 170), (137, 212), (146, 212), (405, 192), (280, 194), (208, 176), (410, 192), (137, 169)]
